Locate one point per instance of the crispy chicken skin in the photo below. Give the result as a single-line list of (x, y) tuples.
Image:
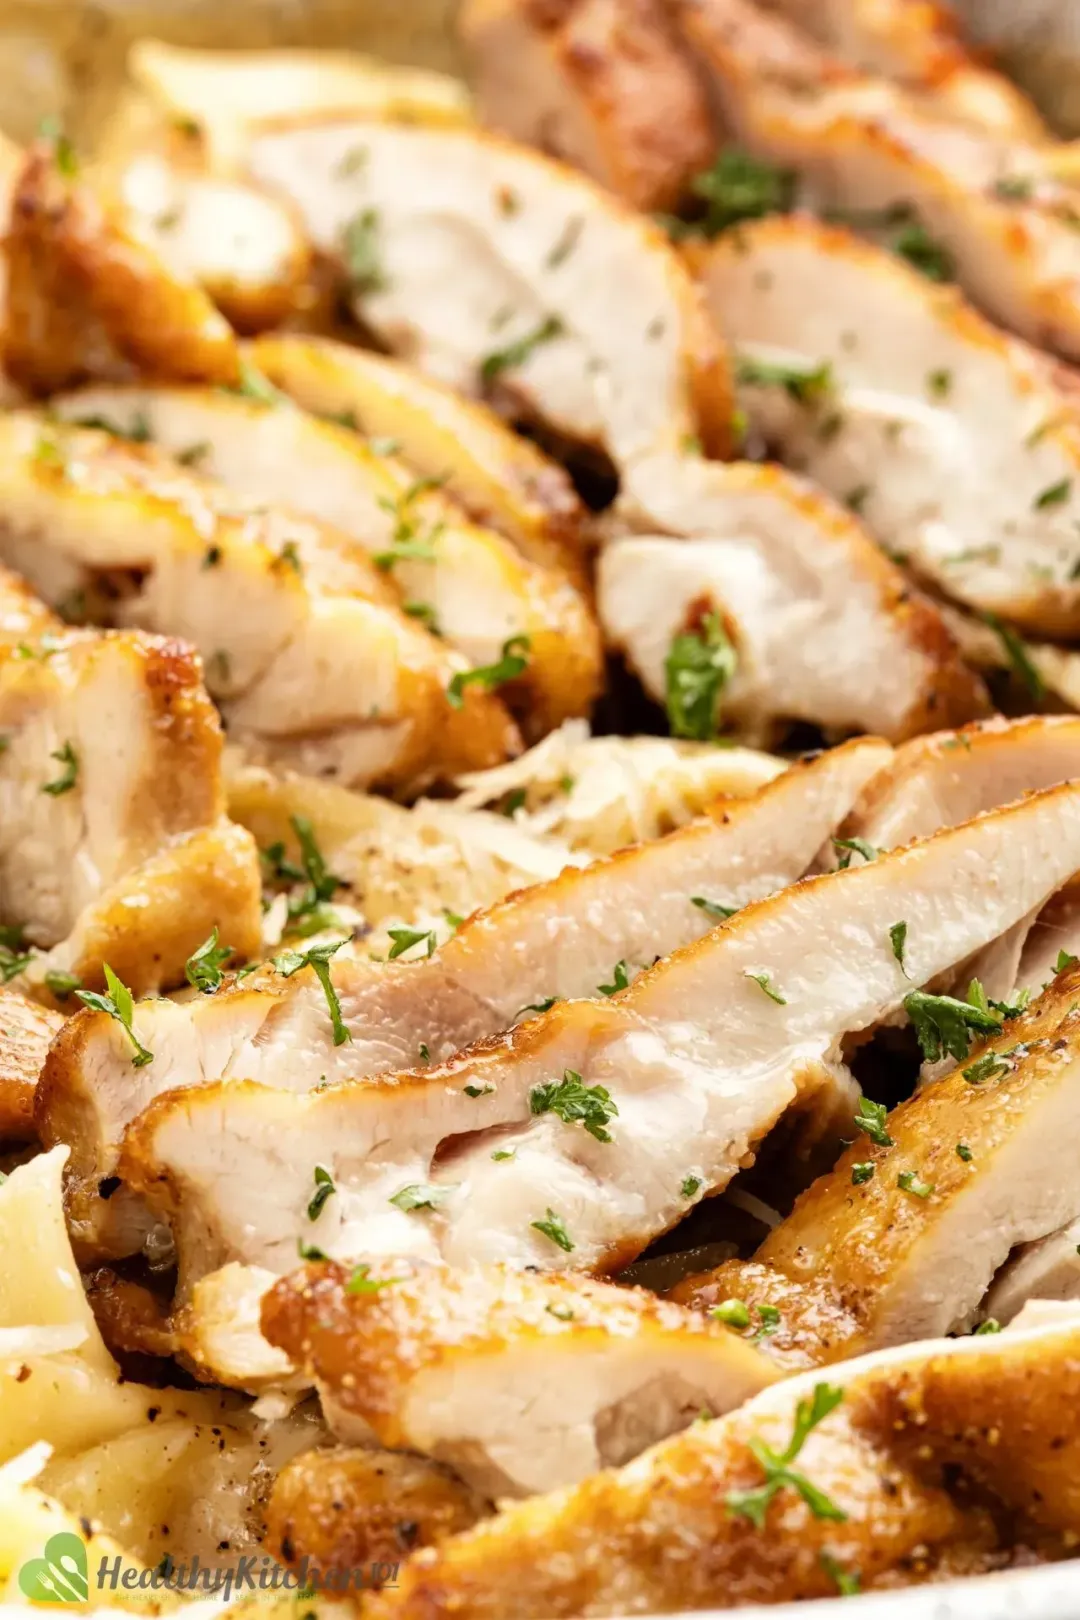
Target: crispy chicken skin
[(862, 1264), (520, 1382), (864, 146), (88, 299), (348, 1507), (556, 939), (701, 1055), (600, 332), (600, 84), (825, 628), (949, 1458), (475, 585), (953, 432), (312, 662), (25, 1032), (501, 479)]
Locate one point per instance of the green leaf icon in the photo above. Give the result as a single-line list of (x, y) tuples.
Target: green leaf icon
[(59, 1577)]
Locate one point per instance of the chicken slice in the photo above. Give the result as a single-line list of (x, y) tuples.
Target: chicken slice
[(470, 583), (986, 209), (1039, 668), (353, 1507), (701, 1055), (808, 602), (918, 399), (950, 776), (922, 47), (907, 1248), (501, 479), (25, 1032), (571, 937), (521, 1383), (227, 94), (599, 83), (491, 267), (243, 248), (311, 661), (88, 298), (1040, 1272), (945, 1459)]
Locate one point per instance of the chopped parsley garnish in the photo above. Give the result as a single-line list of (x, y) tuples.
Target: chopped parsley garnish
[(575, 1103), (1053, 495), (769, 1319), (909, 1181), (776, 1465), (766, 984), (991, 1325), (914, 243), (964, 1152), (856, 498), (1013, 187), (407, 542), (289, 557), (317, 957), (739, 187), (554, 1228), (405, 938), (360, 249), (870, 1119), (12, 963), (513, 802), (324, 1189), (503, 1153), (310, 1251), (513, 662), (478, 1091), (68, 776), (861, 1173), (620, 978), (253, 385), (422, 1195), (564, 1313), (854, 846), (944, 1025), (732, 1312), (119, 1004), (537, 1006), (989, 1067), (567, 242), (352, 162), (939, 383), (425, 1055), (61, 984), (424, 612), (808, 385), (898, 939), (847, 1580), (362, 1282), (1065, 959), (203, 967), (698, 667), (690, 1187), (307, 911), (194, 453), (515, 354), (1017, 655), (713, 908)]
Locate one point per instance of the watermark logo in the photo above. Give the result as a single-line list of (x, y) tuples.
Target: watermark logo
[(60, 1575)]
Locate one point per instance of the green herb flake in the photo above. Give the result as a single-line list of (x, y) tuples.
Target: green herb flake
[(620, 978), (732, 1312), (503, 1153), (698, 667), (516, 653), (944, 1025), (61, 984), (68, 776), (713, 908), (847, 1581), (915, 244), (317, 957), (776, 1465), (898, 940), (939, 383), (807, 385), (767, 985), (1017, 655), (360, 250), (690, 1187), (554, 1228), (203, 967), (362, 1282), (870, 1119), (964, 1152), (119, 1004), (405, 938), (740, 187), (324, 1189), (422, 1195), (478, 1091), (910, 1182), (991, 1066), (515, 354), (854, 846), (1065, 959), (991, 1325), (1054, 495), (574, 1103), (310, 1251)]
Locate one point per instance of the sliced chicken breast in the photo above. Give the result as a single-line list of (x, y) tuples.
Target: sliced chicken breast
[(311, 661), (586, 933), (521, 1383), (25, 1032), (226, 94), (1046, 1270), (599, 83), (936, 781), (356, 1507), (986, 209), (492, 268), (501, 479), (921, 46), (699, 1056), (960, 443), (87, 298), (470, 583), (808, 603), (243, 248), (902, 1240), (944, 1459)]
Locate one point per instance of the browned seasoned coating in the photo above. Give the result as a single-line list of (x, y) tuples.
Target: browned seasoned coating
[(25, 1032)]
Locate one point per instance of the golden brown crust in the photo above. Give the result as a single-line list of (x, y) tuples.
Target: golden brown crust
[(25, 1032), (348, 1508), (86, 299)]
